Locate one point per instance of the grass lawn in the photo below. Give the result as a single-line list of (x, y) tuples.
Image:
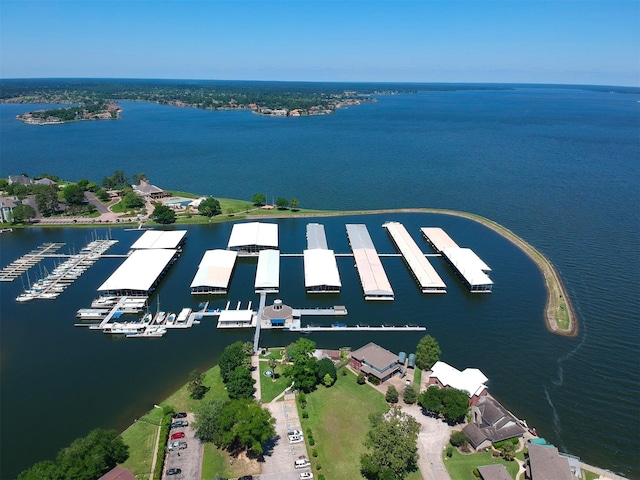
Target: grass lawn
[(461, 466), (268, 388), (141, 438), (417, 378), (338, 419)]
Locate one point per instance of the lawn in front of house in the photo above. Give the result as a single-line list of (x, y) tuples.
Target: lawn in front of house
[(141, 438), (461, 466), (339, 422)]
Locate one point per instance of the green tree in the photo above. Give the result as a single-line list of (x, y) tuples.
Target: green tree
[(18, 190), (301, 348), (22, 213), (273, 363), (4, 184), (431, 400), (47, 201), (409, 396), (137, 177), (392, 444), (282, 203), (244, 424), (326, 367), (206, 420), (117, 181), (46, 470), (209, 207), (196, 386), (240, 383), (92, 187), (328, 380), (132, 201), (304, 373), (102, 195), (392, 394), (427, 352), (163, 214), (234, 355), (90, 457), (73, 194), (450, 403), (82, 183), (294, 203), (259, 199), (508, 451)]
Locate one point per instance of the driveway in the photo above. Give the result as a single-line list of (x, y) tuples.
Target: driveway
[(188, 460), (432, 439), (278, 461)]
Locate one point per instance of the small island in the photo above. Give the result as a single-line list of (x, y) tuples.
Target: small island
[(90, 111)]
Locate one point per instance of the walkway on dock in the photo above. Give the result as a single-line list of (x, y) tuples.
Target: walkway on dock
[(28, 260), (256, 336)]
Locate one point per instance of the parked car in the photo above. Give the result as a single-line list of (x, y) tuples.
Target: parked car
[(179, 415), (295, 432), (302, 463), (306, 476), (174, 471), (246, 477), (295, 439), (180, 423), (177, 435), (177, 446)]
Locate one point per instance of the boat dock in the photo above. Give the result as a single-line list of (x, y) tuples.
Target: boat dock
[(342, 327), (28, 260), (50, 287)]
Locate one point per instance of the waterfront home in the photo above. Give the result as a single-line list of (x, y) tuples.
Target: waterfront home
[(544, 462), (7, 204), (494, 472), (491, 423), (21, 179), (148, 191), (470, 380), (374, 360)]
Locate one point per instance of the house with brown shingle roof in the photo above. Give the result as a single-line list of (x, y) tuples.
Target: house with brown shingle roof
[(146, 190), (544, 462), (374, 360), (494, 472), (118, 473), (491, 423)]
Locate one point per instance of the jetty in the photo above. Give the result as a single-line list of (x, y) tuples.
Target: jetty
[(28, 260)]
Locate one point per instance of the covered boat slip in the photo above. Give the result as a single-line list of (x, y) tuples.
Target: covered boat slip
[(374, 281), (214, 272), (173, 239), (467, 265), (253, 237), (424, 273), (140, 273), (268, 272), (316, 237), (321, 271)]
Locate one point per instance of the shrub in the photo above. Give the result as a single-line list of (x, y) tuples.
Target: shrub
[(449, 451), (410, 396), (361, 378), (476, 472), (373, 380), (458, 438), (312, 441), (305, 414), (314, 453), (391, 395), (343, 372), (321, 477), (318, 467)]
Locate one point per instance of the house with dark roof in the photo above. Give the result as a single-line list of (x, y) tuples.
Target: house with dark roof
[(544, 462), (118, 473), (494, 472), (146, 190), (7, 204), (491, 423), (374, 360), (21, 179)]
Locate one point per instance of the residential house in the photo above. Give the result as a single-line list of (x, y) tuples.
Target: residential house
[(374, 360), (21, 179), (494, 472), (491, 423), (470, 380), (7, 204), (45, 181), (544, 462), (118, 473)]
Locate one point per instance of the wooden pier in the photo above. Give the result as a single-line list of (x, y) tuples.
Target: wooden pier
[(28, 260)]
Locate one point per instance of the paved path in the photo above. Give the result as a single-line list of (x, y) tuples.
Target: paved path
[(433, 437)]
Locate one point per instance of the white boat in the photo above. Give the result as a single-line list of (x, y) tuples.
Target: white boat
[(184, 315), (171, 318), (25, 297), (92, 313), (147, 318)]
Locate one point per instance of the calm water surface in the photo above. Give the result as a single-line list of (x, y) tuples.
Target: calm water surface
[(557, 166)]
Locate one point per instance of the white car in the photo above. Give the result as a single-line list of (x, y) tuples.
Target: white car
[(295, 432), (295, 439), (302, 463), (306, 475)]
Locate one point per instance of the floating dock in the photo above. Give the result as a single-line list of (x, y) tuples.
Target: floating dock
[(28, 260), (428, 279), (467, 265), (374, 281)]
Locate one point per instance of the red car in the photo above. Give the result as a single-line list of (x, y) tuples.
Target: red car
[(177, 435)]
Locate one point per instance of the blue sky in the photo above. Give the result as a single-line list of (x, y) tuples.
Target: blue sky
[(537, 41)]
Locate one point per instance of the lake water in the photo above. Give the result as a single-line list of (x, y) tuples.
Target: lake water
[(558, 166)]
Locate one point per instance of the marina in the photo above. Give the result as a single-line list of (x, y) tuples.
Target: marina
[(24, 263)]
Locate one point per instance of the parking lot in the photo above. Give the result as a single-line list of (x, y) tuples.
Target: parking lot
[(189, 460), (279, 464)]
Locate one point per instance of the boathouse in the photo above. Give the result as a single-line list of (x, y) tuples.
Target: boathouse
[(374, 281), (470, 380), (321, 271), (465, 263), (428, 279), (214, 272), (253, 236), (140, 273), (374, 360), (268, 272), (161, 239)]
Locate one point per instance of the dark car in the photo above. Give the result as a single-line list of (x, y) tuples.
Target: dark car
[(179, 415), (246, 477), (180, 423), (174, 471)]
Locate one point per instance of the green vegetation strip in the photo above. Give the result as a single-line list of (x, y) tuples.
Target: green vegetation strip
[(141, 438), (338, 418)]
